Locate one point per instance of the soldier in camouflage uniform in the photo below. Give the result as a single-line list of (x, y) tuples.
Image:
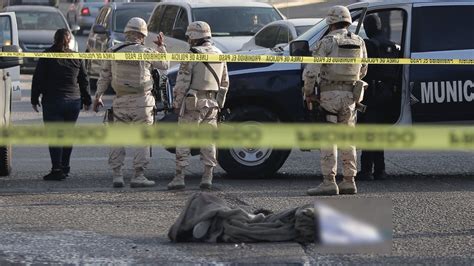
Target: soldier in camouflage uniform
[(132, 82), (195, 100), (336, 83)]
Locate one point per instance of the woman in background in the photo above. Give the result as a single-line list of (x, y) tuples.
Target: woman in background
[(64, 89)]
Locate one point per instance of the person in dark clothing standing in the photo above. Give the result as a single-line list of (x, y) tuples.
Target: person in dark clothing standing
[(64, 89), (380, 94)]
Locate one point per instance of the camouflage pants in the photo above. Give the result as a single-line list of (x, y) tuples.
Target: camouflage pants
[(342, 103), (204, 115), (132, 109)]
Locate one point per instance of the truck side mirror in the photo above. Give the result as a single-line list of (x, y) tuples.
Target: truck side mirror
[(179, 33), (6, 62), (75, 29), (99, 29), (299, 48)]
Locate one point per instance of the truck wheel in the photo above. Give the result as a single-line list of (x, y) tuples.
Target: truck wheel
[(5, 160), (252, 162)]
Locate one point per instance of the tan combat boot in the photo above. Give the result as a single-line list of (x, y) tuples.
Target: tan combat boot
[(206, 181), (327, 188), (141, 181), (178, 180), (118, 178), (347, 186)]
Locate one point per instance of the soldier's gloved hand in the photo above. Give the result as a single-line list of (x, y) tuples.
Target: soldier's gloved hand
[(310, 99), (97, 104), (160, 39), (35, 107)]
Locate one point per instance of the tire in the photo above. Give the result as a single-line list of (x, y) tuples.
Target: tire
[(5, 160), (250, 162)]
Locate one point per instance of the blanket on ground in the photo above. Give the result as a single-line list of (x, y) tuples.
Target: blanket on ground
[(207, 218)]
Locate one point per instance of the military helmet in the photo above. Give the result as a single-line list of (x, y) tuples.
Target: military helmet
[(198, 30), (138, 25), (338, 14)]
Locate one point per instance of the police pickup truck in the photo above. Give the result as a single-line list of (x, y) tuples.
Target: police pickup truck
[(8, 39), (426, 93)]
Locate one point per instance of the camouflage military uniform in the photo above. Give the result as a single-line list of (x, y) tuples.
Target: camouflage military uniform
[(134, 102), (336, 84), (206, 109), (336, 97)]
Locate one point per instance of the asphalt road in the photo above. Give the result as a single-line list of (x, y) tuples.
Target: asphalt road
[(83, 220)]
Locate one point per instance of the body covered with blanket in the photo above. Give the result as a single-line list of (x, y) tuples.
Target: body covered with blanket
[(207, 218)]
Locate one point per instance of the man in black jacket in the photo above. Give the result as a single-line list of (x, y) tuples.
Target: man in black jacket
[(380, 94)]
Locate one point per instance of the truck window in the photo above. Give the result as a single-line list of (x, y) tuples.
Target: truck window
[(168, 19), (106, 18), (181, 22), (154, 24), (235, 20), (267, 37), (440, 28), (5, 31), (100, 18), (284, 36)]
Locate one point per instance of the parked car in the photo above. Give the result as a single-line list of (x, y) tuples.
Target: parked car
[(232, 24), (279, 32), (83, 13), (8, 43), (108, 28), (271, 92), (54, 3), (36, 27)]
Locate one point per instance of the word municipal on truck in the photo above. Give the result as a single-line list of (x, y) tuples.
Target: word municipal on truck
[(229, 135), (242, 58), (447, 91)]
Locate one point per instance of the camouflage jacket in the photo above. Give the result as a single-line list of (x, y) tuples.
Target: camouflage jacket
[(185, 75), (129, 77), (311, 73)]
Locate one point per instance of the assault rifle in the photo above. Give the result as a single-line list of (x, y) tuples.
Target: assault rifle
[(161, 92)]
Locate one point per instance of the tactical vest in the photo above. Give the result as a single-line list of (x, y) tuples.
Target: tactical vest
[(349, 46), (202, 78), (132, 77)]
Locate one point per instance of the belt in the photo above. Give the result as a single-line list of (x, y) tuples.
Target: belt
[(352, 82), (343, 88), (205, 94), (143, 93)]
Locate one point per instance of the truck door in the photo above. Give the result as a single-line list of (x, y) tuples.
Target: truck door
[(442, 93), (8, 36), (384, 31)]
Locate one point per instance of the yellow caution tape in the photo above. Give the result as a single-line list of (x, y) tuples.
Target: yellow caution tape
[(242, 58), (282, 136)]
